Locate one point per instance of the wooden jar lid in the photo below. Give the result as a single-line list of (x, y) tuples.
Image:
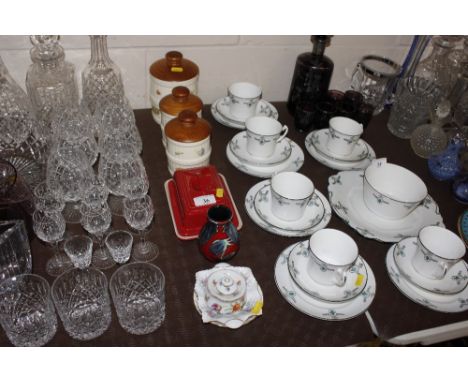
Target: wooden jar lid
[(174, 67), (180, 99), (187, 128)]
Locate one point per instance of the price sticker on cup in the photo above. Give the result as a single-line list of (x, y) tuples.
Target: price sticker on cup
[(204, 200)]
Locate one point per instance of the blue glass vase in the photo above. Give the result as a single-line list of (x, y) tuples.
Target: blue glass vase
[(446, 166)]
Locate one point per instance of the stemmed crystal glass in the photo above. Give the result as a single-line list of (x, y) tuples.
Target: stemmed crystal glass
[(74, 127), (138, 214), (96, 220), (96, 194), (49, 226), (124, 174), (70, 174)]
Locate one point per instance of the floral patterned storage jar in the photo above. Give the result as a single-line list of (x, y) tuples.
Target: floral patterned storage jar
[(167, 73), (187, 141)]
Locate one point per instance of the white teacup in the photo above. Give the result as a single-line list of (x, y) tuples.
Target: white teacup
[(438, 250), (244, 98), (333, 253), (344, 134), (291, 192), (263, 133)]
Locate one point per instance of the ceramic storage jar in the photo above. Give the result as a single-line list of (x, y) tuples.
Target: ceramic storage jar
[(167, 73), (187, 141), (180, 99)]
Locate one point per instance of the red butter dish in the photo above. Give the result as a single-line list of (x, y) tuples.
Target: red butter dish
[(190, 194)]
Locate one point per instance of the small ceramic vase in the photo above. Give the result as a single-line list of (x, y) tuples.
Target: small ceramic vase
[(219, 239)]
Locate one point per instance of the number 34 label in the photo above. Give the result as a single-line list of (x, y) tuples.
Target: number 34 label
[(204, 200)]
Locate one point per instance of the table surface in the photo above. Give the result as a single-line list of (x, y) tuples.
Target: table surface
[(280, 324)]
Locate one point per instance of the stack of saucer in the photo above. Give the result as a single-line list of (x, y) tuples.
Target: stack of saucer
[(261, 204), (287, 156), (340, 146), (368, 209), (324, 290), (243, 101), (428, 269)]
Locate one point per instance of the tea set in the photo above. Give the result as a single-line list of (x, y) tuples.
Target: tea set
[(262, 148), (244, 100), (340, 146), (325, 277), (282, 209), (385, 202), (429, 269)]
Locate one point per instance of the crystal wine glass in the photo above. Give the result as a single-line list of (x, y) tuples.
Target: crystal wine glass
[(96, 220), (74, 127), (70, 173), (120, 168), (139, 214), (49, 226)]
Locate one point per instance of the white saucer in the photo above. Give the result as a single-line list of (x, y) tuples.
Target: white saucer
[(447, 303), (238, 146), (330, 311), (220, 112), (251, 309), (318, 139), (252, 212), (345, 192), (356, 278), (338, 164), (454, 281), (293, 163), (313, 213)]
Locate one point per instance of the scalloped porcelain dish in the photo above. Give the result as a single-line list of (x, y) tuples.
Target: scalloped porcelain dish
[(243, 303), (329, 311), (345, 192), (252, 212)]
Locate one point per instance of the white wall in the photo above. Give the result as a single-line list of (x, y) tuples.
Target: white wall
[(266, 60)]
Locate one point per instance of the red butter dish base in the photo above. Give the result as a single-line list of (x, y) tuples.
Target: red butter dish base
[(197, 183)]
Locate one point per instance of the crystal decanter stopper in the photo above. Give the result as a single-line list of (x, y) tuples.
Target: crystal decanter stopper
[(50, 80), (101, 78)]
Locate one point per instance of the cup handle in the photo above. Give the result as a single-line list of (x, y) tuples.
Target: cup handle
[(340, 280), (283, 134), (444, 268)]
